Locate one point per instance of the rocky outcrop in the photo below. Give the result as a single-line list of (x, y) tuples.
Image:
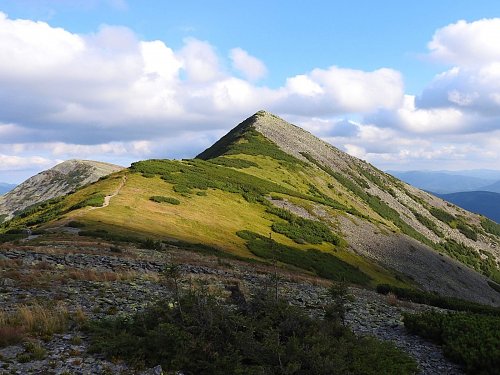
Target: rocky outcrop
[(55, 182)]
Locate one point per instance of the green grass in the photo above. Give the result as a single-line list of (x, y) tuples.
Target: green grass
[(471, 340), (198, 334), (162, 199), (323, 264)]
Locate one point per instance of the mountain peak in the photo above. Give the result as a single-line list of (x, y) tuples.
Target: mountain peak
[(289, 138), (267, 124), (54, 182)]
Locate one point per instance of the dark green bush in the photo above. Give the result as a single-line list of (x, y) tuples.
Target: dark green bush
[(233, 163), (471, 340), (11, 237), (470, 257), (161, 199), (442, 215), (321, 263), (300, 229), (490, 226), (466, 230), (196, 334), (95, 200), (428, 223), (431, 299), (75, 224)]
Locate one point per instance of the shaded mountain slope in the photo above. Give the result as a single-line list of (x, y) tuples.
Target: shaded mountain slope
[(55, 182), (328, 213)]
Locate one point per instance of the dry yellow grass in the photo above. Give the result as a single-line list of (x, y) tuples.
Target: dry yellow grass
[(34, 319)]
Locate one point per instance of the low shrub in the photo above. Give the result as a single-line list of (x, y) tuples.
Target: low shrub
[(321, 263), (485, 264), (466, 230), (95, 200), (490, 226), (428, 223), (442, 215), (160, 199), (300, 229), (431, 299), (75, 224), (471, 340), (197, 334)]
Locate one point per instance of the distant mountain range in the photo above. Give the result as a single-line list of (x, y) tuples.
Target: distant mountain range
[(445, 182), (485, 203), (474, 190), (5, 187)]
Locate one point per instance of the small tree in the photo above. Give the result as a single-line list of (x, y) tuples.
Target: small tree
[(337, 309), (171, 274)]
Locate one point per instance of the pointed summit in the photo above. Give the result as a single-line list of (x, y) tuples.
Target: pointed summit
[(235, 135), (290, 139)]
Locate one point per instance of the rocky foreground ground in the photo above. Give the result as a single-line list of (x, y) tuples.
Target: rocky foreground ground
[(93, 279)]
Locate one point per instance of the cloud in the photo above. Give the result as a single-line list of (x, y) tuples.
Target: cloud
[(467, 44), (109, 95), (464, 99), (12, 162), (338, 90), (251, 67), (110, 86)]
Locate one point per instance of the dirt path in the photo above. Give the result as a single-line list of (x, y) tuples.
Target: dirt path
[(107, 198)]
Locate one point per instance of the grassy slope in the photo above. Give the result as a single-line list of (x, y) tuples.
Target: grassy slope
[(213, 219), (131, 212)]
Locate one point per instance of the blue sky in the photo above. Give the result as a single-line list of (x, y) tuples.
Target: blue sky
[(404, 85)]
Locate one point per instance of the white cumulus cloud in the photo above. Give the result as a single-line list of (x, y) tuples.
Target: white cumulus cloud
[(251, 67)]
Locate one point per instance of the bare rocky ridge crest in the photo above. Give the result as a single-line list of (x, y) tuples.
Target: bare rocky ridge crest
[(55, 182)]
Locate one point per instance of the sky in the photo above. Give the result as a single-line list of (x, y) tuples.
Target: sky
[(402, 85)]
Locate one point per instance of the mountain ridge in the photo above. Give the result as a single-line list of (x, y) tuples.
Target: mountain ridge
[(55, 182), (267, 175)]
